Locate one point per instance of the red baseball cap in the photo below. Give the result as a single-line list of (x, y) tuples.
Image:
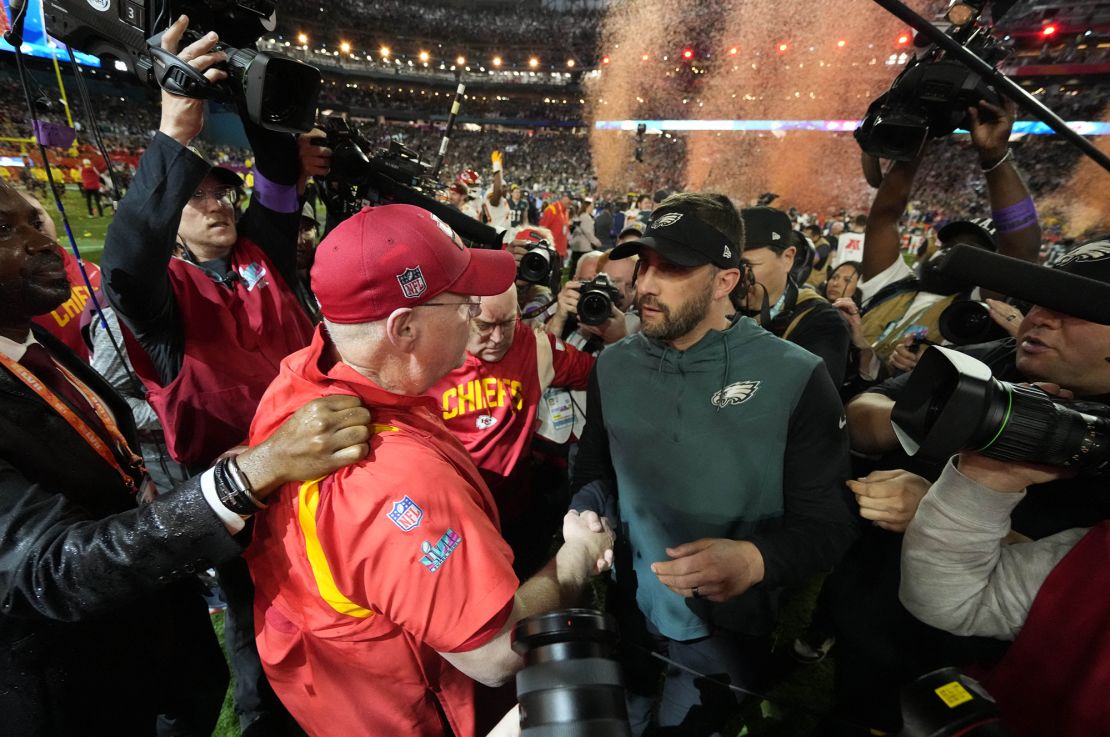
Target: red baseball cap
[(393, 256)]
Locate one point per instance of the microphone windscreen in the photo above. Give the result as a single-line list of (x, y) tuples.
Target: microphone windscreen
[(1069, 294)]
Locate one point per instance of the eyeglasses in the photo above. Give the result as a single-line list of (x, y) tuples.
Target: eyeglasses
[(474, 308), (225, 196), (486, 328)]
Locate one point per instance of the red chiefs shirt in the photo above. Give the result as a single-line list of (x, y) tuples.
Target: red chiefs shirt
[(65, 322), (491, 407), (555, 219), (363, 577)]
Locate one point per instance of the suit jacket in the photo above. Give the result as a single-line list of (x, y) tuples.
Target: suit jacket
[(98, 611)]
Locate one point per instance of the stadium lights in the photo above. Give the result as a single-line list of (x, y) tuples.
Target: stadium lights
[(570, 63), (424, 56), (384, 51), (302, 39), (497, 61), (461, 60), (533, 62), (344, 47)]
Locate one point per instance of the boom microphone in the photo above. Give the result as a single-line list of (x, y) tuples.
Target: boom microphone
[(1069, 294)]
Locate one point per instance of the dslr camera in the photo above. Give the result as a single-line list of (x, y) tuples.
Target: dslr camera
[(596, 300), (273, 91), (537, 263), (930, 97)]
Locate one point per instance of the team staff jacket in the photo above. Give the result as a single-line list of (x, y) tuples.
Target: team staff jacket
[(740, 437), (491, 407), (95, 634), (362, 578), (210, 336)]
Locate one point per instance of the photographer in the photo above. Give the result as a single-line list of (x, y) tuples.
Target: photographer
[(867, 619), (212, 324), (1048, 596), (899, 303), (490, 404), (799, 315)]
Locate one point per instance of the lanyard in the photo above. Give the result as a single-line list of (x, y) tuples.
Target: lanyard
[(82, 428)]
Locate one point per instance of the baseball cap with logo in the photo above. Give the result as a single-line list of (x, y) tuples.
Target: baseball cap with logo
[(385, 258), (979, 232), (767, 227), (1090, 259), (683, 239), (223, 175)]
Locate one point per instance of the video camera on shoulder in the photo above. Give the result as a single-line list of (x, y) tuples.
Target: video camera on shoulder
[(596, 300), (273, 91)]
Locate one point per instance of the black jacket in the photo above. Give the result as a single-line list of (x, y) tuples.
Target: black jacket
[(96, 630)]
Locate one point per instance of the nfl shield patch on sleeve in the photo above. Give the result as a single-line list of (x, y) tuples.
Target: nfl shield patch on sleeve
[(406, 514)]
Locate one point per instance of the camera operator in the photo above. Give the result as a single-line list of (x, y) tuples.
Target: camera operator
[(564, 323), (1048, 596), (723, 449), (101, 630), (385, 592), (213, 324), (490, 404), (863, 612), (899, 304), (799, 315)]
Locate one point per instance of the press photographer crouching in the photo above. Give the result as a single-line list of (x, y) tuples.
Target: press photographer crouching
[(1047, 595)]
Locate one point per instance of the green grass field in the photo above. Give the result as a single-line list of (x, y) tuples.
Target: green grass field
[(808, 687)]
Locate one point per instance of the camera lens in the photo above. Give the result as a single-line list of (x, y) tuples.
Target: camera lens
[(535, 266), (594, 308), (571, 683)]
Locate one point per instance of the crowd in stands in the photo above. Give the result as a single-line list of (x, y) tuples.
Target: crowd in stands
[(522, 24)]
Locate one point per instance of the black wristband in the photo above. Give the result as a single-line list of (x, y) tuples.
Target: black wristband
[(230, 494)]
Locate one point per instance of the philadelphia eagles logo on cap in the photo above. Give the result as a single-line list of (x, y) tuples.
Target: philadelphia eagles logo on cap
[(1096, 251), (737, 393), (669, 219), (727, 253)]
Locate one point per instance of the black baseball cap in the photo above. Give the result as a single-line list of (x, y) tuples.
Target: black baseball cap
[(683, 239), (767, 227), (979, 232), (226, 176)]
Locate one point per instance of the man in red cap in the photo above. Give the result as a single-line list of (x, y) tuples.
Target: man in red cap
[(385, 592)]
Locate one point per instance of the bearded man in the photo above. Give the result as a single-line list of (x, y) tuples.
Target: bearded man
[(727, 446)]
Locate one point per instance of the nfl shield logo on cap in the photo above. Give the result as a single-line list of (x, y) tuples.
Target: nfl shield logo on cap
[(406, 514), (412, 282)]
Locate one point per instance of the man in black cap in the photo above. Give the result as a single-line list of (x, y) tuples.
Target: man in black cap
[(791, 312), (709, 427), (900, 305)]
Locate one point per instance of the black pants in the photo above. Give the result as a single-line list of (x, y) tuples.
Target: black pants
[(688, 705), (92, 195)]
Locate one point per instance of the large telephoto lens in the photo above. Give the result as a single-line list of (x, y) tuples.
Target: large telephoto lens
[(571, 682), (953, 403)]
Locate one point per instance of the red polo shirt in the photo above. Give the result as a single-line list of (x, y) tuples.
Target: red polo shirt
[(363, 577)]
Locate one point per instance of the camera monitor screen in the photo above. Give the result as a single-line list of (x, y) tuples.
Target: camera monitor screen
[(36, 42)]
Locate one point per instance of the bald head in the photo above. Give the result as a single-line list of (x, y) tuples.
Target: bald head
[(588, 266), (491, 333)]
